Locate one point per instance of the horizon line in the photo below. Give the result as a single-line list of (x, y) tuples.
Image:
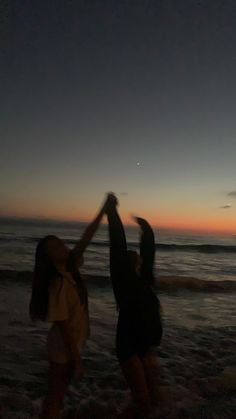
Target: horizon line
[(127, 224)]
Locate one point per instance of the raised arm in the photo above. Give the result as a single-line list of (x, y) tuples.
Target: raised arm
[(88, 234), (147, 250), (118, 246)]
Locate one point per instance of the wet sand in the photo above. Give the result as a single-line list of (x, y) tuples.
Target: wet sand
[(197, 353)]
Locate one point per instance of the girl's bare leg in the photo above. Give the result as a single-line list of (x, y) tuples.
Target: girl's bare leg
[(153, 373), (58, 382), (134, 373)]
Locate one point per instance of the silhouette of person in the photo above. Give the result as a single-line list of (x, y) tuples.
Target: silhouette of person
[(59, 295), (139, 327)]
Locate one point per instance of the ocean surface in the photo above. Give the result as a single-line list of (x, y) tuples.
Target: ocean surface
[(207, 257)]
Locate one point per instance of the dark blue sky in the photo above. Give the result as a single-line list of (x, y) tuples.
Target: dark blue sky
[(90, 88)]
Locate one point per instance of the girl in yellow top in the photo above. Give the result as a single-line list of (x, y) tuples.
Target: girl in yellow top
[(59, 296)]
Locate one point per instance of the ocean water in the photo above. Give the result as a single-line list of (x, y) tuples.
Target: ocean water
[(197, 353), (207, 257)]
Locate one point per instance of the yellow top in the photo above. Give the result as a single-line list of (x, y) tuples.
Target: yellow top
[(64, 304)]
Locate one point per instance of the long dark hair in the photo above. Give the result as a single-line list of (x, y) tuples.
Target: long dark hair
[(44, 272)]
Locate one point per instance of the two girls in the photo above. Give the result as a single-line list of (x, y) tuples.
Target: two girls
[(59, 296)]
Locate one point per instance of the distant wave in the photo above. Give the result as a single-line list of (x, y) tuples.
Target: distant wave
[(176, 283), (190, 248), (195, 248), (163, 283), (200, 248), (163, 247)]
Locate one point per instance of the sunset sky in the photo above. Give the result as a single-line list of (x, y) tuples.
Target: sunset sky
[(136, 97)]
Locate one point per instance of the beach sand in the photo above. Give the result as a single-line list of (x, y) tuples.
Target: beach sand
[(197, 352)]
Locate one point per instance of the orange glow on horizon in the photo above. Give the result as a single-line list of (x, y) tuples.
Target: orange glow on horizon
[(217, 223), (194, 222)]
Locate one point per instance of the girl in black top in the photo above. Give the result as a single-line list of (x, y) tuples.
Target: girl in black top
[(139, 327)]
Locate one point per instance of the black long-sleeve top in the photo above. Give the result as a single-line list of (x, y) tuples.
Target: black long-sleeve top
[(127, 284)]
